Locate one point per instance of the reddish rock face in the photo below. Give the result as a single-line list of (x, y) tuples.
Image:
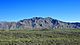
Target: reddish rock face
[(38, 23)]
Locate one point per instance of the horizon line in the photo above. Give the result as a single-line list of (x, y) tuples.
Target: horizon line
[(34, 17)]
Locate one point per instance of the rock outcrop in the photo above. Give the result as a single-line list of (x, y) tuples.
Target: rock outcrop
[(38, 23)]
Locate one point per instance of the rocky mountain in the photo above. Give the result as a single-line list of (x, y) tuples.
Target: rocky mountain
[(38, 23)]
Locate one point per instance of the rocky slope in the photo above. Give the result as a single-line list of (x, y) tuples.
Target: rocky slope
[(38, 23)]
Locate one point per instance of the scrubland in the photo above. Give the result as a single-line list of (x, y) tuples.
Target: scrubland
[(40, 37)]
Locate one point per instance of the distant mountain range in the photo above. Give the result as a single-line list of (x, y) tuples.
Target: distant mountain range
[(38, 23)]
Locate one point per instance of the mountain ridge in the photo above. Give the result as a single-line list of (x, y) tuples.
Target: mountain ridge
[(39, 23)]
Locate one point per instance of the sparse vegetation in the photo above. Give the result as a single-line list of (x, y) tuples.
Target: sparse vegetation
[(40, 37)]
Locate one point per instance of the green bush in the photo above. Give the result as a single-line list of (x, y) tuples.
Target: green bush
[(40, 37)]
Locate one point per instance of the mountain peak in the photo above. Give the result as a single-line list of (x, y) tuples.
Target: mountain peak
[(49, 18)]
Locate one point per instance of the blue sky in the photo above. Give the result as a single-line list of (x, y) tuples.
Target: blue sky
[(64, 10)]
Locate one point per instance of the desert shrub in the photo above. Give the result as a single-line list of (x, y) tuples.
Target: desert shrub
[(46, 37)]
